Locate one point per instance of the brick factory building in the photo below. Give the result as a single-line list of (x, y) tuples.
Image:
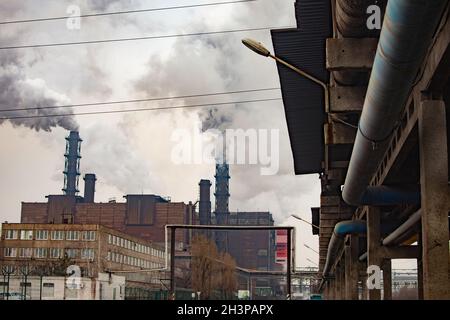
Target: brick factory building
[(95, 249), (143, 216)]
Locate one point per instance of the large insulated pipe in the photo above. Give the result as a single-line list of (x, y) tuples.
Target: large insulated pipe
[(412, 220), (406, 35), (388, 196), (341, 229), (394, 235)]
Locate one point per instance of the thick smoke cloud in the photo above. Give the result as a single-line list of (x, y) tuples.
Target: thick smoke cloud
[(17, 91)]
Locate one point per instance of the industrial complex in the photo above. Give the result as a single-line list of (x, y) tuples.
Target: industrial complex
[(365, 91)]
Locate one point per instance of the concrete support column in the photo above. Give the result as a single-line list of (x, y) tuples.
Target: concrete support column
[(420, 269), (373, 245), (435, 199), (362, 274), (341, 282), (387, 279), (351, 269)]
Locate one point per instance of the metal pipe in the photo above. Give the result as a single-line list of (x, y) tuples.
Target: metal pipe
[(413, 219), (341, 229), (288, 267), (388, 196), (172, 263), (406, 35)]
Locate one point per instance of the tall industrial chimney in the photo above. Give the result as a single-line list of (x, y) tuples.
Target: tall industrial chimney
[(205, 202), (222, 195), (89, 187), (72, 165)]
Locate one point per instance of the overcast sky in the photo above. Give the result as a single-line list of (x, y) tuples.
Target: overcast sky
[(131, 153)]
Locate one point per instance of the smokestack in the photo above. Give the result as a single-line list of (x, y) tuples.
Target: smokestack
[(205, 202), (72, 165), (89, 187), (222, 193)]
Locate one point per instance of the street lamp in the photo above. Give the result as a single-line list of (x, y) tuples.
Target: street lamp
[(301, 219), (315, 263), (259, 48), (306, 246)]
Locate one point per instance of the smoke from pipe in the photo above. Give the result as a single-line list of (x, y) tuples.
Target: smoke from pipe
[(17, 91)]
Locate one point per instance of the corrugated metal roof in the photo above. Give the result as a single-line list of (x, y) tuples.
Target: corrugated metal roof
[(303, 99)]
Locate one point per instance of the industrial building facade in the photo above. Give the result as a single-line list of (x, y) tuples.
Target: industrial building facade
[(94, 250), (377, 132), (143, 216)]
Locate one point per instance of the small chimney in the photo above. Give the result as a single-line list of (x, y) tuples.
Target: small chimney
[(89, 187), (205, 202)]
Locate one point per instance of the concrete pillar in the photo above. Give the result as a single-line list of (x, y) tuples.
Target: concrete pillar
[(373, 245), (420, 269), (435, 199), (341, 283), (387, 279), (351, 269)]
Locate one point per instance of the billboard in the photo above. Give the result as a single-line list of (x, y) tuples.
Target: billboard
[(281, 253)]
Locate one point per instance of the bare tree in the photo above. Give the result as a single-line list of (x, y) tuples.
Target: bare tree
[(212, 272)]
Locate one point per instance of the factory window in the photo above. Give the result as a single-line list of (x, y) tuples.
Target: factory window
[(48, 290), (41, 235), (121, 242), (26, 235), (10, 252), (57, 235), (72, 235), (114, 240), (25, 252), (87, 254), (113, 257), (40, 253), (88, 235), (108, 257), (72, 253), (55, 253), (262, 252), (11, 234)]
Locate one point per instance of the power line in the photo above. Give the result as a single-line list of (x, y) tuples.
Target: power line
[(139, 110), (135, 38), (125, 12), (139, 100)]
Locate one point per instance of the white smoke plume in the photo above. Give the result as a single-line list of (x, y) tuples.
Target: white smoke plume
[(17, 91)]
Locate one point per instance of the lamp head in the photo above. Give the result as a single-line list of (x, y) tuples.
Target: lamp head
[(256, 47)]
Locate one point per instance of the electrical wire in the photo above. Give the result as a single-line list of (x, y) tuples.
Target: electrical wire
[(139, 110), (139, 100), (182, 35), (124, 12)]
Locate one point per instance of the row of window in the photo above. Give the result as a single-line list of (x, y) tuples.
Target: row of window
[(55, 235), (131, 245), (53, 253), (132, 261)]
